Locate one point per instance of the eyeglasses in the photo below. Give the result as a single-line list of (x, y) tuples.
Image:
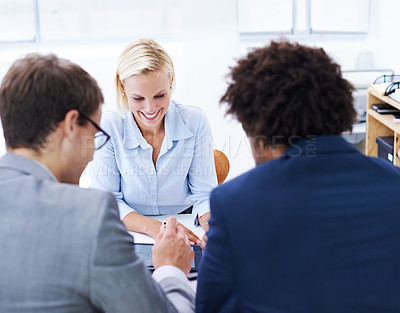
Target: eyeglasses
[(101, 137)]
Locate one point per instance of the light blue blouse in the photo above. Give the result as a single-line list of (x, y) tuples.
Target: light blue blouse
[(185, 170)]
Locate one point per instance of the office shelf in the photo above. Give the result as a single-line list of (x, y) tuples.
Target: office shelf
[(380, 125)]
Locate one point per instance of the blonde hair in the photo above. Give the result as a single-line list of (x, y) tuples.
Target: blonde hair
[(140, 57)]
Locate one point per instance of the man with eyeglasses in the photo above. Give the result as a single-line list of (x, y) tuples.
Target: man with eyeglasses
[(64, 248)]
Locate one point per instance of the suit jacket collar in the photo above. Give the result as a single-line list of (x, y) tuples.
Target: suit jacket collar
[(322, 144), (26, 166), (175, 130)]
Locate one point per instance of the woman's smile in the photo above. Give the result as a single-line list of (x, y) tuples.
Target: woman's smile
[(149, 96), (150, 116)]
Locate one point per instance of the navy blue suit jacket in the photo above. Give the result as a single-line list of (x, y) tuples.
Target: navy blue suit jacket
[(316, 230)]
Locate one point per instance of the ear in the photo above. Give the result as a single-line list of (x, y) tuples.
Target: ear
[(70, 124), (259, 145), (261, 151)]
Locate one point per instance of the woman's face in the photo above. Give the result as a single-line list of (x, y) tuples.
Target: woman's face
[(148, 96)]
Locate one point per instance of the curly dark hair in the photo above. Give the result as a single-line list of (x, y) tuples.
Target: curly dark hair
[(287, 89)]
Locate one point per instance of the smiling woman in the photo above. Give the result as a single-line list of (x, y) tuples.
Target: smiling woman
[(148, 99), (160, 157)]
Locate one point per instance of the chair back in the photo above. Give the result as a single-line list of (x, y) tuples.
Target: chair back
[(221, 165)]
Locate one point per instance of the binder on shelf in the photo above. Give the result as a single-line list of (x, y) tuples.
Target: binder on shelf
[(396, 118), (384, 108)]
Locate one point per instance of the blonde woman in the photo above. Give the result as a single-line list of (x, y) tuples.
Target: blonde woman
[(160, 156)]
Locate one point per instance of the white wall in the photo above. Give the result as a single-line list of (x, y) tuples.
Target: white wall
[(385, 37), (210, 45)]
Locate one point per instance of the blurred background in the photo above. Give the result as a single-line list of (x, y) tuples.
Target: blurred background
[(204, 38)]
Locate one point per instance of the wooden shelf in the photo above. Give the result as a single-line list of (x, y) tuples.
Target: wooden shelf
[(377, 91), (386, 119), (381, 125)]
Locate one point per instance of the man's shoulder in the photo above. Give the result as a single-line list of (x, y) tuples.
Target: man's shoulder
[(382, 165), (73, 196), (248, 182)]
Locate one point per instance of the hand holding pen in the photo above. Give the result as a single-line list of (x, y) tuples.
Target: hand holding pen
[(172, 247)]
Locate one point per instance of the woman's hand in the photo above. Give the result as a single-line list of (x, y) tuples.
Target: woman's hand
[(193, 239), (204, 241), (203, 220), (172, 247), (142, 224), (147, 225), (153, 228)]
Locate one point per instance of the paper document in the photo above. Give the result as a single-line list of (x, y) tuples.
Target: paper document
[(184, 219)]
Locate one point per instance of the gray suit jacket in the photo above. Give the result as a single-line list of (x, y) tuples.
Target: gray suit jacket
[(64, 249)]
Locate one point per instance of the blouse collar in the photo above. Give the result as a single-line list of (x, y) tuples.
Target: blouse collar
[(175, 130)]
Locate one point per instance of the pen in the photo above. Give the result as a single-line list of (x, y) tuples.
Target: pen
[(164, 223)]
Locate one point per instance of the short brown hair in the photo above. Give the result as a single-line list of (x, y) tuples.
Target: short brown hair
[(37, 92), (284, 90)]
